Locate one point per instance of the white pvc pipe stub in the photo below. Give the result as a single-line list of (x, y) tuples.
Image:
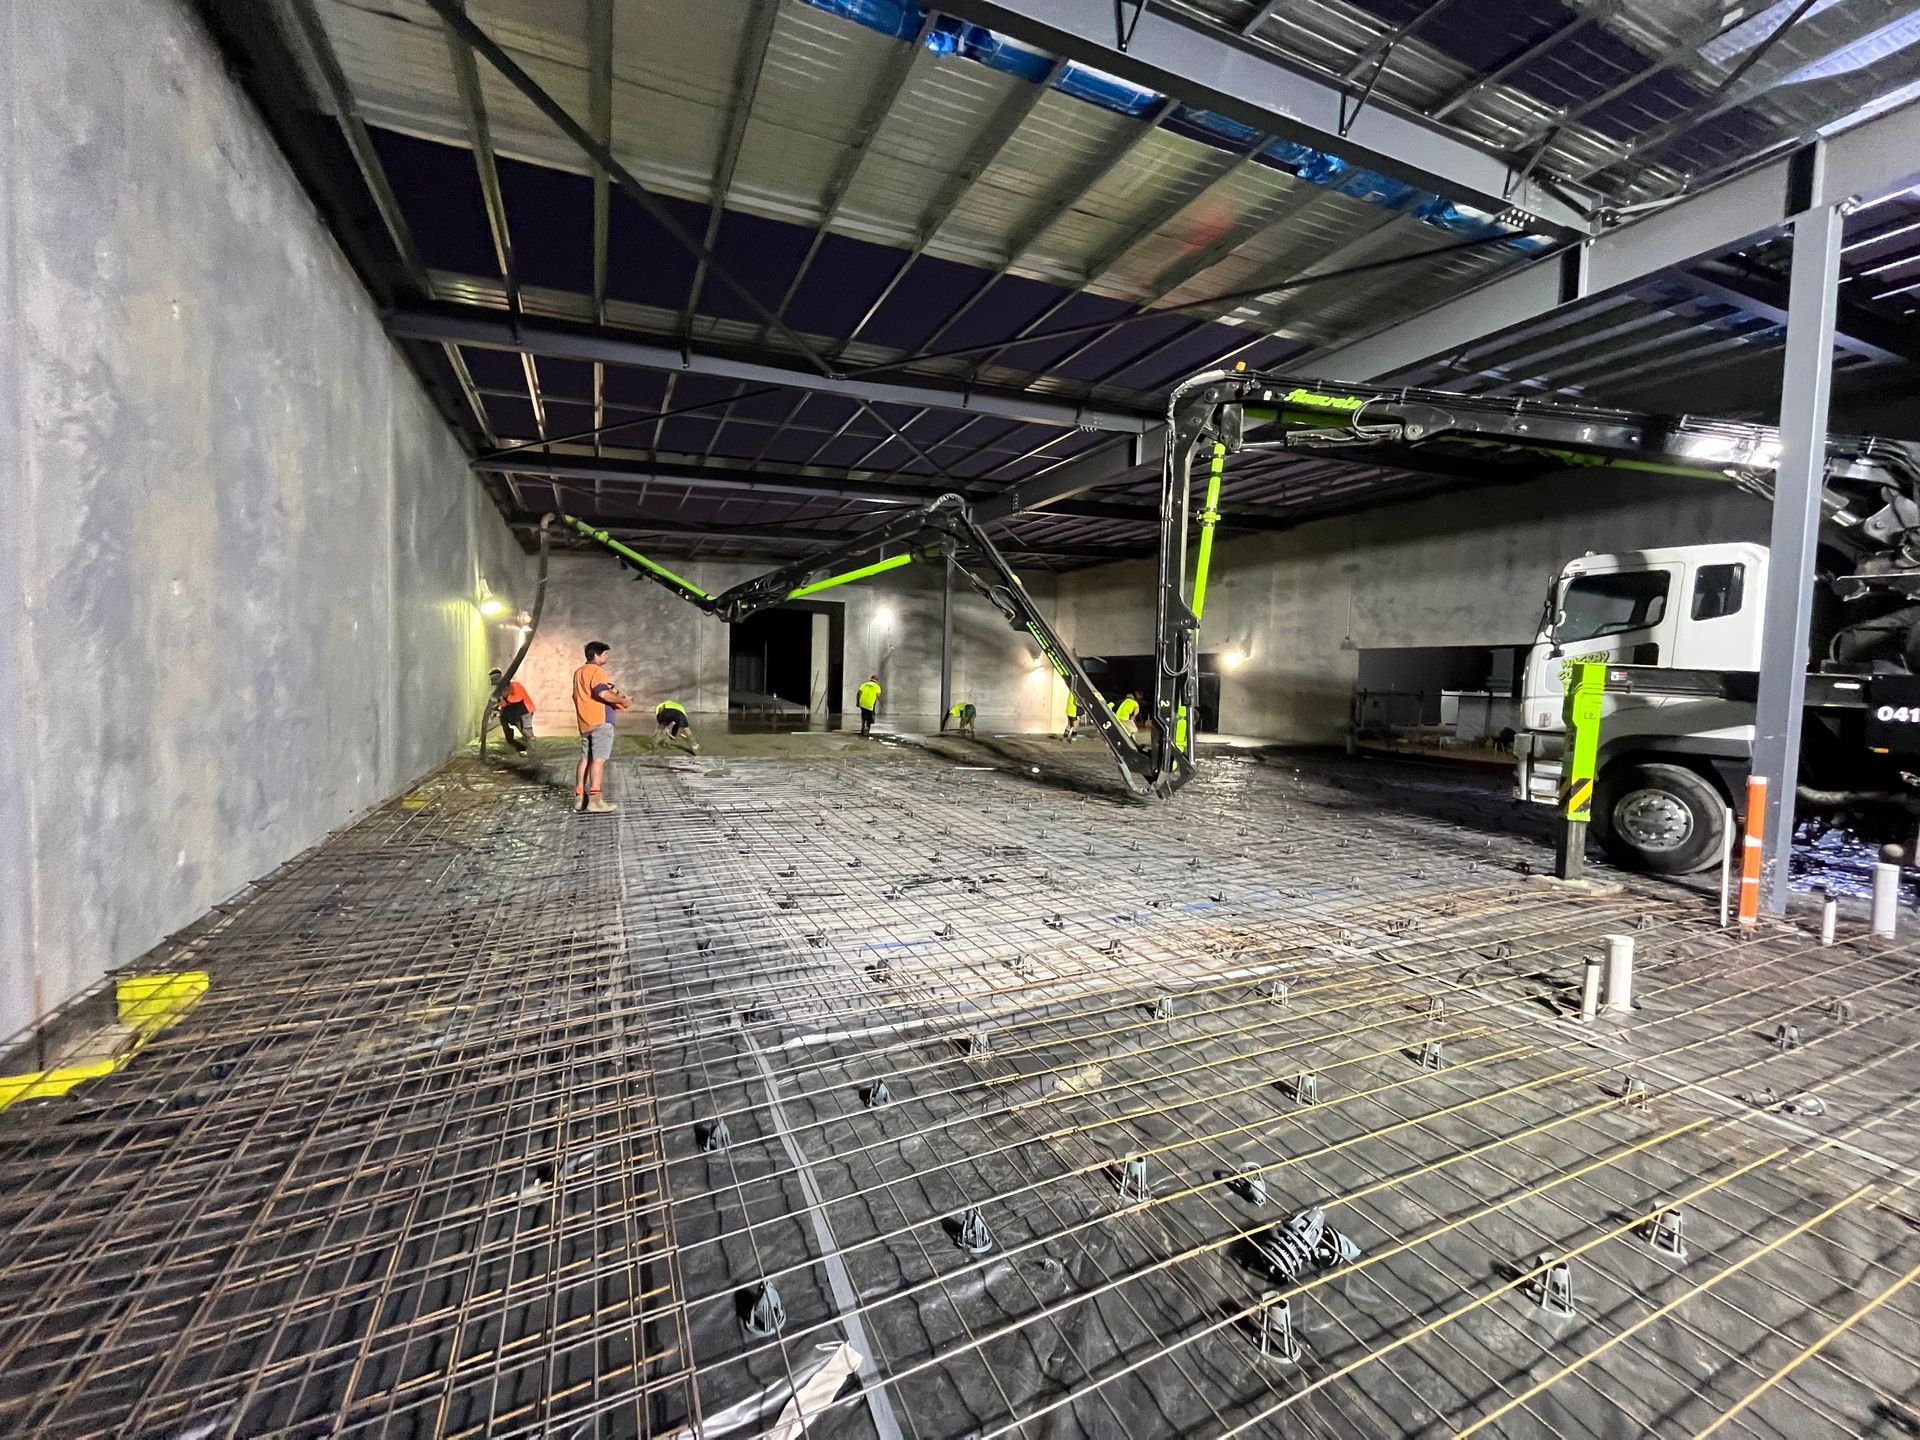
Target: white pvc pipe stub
[(1886, 891), (1590, 989), (1619, 973)]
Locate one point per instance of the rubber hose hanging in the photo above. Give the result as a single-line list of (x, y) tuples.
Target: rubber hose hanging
[(526, 640)]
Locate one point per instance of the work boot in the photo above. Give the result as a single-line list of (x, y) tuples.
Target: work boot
[(597, 805)]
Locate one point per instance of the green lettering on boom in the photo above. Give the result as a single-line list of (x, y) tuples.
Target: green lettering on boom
[(1314, 400)]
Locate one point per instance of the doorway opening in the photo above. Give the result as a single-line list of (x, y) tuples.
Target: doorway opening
[(1117, 675), (785, 664)]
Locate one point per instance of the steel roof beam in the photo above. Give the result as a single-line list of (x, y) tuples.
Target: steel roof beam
[(718, 473), (1869, 160), (1132, 457), (492, 330), (1056, 489), (620, 526), (1210, 67), (709, 475)]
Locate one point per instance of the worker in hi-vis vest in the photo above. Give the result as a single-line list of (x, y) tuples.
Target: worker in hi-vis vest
[(868, 697), (961, 714), (1073, 718), (670, 723), (1127, 712)]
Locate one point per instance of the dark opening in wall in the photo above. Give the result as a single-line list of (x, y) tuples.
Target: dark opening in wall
[(1116, 675), (787, 661)]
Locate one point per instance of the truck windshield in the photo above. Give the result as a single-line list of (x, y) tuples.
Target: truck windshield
[(1596, 605)]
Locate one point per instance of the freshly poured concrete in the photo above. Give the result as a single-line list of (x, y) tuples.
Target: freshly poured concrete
[(1463, 569), (667, 649)]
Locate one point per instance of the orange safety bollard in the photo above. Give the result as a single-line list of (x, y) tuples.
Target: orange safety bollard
[(1751, 848)]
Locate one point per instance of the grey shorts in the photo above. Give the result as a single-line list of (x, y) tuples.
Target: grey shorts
[(597, 743)]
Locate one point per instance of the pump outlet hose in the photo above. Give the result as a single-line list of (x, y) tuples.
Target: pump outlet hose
[(526, 639)]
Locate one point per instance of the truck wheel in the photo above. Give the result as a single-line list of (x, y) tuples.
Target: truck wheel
[(1664, 819)]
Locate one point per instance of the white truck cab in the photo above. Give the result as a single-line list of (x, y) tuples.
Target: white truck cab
[(1680, 607), (1673, 755)]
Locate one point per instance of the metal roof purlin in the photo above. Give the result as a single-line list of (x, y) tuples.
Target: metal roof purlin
[(1250, 83), (1110, 254), (1871, 159), (600, 118), (1858, 329), (462, 27), (1022, 240), (887, 96), (373, 175), (954, 191), (480, 140), (1512, 65)]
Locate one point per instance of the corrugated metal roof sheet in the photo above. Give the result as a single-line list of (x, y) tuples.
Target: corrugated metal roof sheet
[(1108, 188)]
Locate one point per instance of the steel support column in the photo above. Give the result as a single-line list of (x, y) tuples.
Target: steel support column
[(1812, 303), (946, 643)]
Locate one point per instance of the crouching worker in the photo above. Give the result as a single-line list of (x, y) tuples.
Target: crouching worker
[(595, 699), (516, 712), (961, 716), (670, 723), (1127, 712)]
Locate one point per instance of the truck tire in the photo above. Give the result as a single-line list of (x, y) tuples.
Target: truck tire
[(1663, 819)]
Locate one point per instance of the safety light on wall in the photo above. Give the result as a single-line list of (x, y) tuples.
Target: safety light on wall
[(492, 606), (1232, 659), (883, 615)]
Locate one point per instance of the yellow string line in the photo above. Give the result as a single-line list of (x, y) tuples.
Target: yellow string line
[(1627, 1227), (1667, 1309), (1813, 1349)]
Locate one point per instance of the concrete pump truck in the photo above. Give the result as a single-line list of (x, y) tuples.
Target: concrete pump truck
[(1679, 626)]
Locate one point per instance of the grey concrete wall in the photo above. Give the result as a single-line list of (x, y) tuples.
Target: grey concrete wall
[(244, 555), (664, 648), (1467, 569)]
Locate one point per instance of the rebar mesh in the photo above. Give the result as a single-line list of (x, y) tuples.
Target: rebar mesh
[(496, 1120)]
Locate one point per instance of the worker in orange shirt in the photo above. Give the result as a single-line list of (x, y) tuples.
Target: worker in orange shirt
[(595, 699), (516, 712)]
